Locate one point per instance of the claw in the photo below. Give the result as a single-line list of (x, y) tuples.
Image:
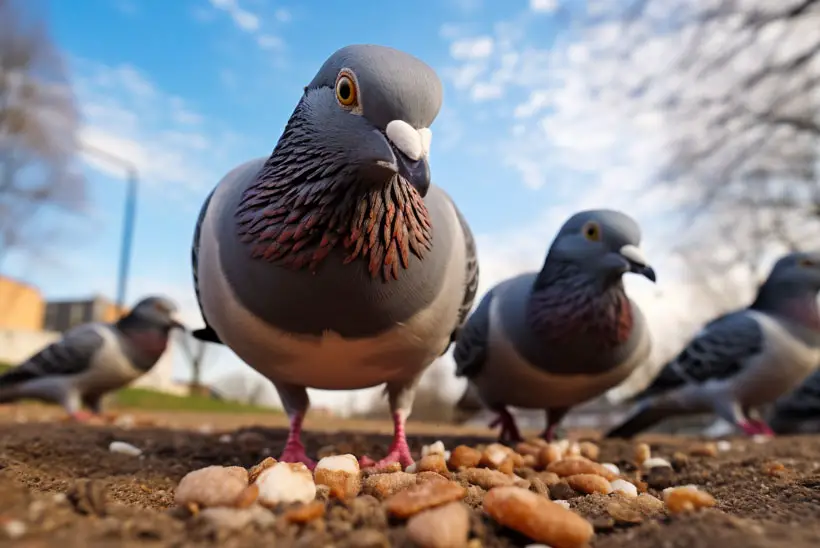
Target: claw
[(398, 452)]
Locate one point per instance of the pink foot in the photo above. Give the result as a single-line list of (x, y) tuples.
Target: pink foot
[(398, 452), (294, 450), (81, 416), (762, 428), (549, 432), (509, 429)]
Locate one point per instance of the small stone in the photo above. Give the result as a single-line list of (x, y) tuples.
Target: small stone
[(433, 462), (237, 518), (306, 512), (366, 538), (254, 472), (572, 466), (686, 499), (212, 486), (124, 448), (623, 514), (612, 468), (660, 477), (423, 496), (562, 491), (436, 448), (464, 456), (642, 453), (285, 483), (341, 474), (589, 450), (589, 484), (383, 486), (487, 478), (649, 504), (723, 445), (625, 488), (708, 449), (14, 528), (444, 527), (655, 462)]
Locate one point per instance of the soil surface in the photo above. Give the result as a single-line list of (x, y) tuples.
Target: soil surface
[(61, 486)]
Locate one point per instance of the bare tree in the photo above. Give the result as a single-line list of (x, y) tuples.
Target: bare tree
[(195, 351), (735, 85), (38, 132)]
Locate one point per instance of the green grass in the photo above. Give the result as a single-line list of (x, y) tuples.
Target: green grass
[(151, 400)]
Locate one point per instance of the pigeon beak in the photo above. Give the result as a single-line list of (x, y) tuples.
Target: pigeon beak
[(411, 147), (176, 321), (637, 262)]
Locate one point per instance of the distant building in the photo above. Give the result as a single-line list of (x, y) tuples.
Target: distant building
[(21, 306), (61, 316)]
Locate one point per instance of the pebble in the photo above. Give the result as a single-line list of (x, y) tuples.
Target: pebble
[(124, 448), (285, 483), (624, 487), (423, 496), (14, 529), (443, 527), (237, 518), (341, 474), (654, 462), (212, 486)]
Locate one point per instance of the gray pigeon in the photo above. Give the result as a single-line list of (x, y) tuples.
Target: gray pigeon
[(559, 337), (333, 263), (799, 411), (93, 359), (742, 360)]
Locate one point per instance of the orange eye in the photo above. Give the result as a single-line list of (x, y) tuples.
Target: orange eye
[(592, 231), (346, 90)]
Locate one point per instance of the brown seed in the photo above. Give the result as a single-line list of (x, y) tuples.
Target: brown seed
[(550, 478), (648, 504), (622, 513), (708, 449), (580, 465), (642, 452), (464, 456), (444, 527), (432, 463), (486, 478), (589, 484), (422, 477), (254, 472), (525, 449), (382, 486), (495, 455), (589, 450), (306, 512), (774, 468), (423, 496), (538, 518), (549, 454), (342, 484), (686, 499)]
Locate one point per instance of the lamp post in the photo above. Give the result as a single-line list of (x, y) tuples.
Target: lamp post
[(129, 213)]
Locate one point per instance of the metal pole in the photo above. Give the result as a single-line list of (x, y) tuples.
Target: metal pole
[(127, 237)]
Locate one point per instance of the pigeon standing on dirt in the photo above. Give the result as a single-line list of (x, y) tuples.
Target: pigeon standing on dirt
[(93, 359), (334, 264), (559, 337), (799, 411), (742, 360)]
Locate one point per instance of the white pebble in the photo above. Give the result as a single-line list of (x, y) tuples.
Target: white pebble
[(760, 438), (447, 455), (212, 486), (125, 421), (206, 429), (612, 468), (573, 450), (285, 483), (14, 529), (412, 469), (655, 462), (236, 518), (124, 448), (723, 445), (436, 448), (624, 487), (562, 446), (339, 463), (496, 454), (564, 503), (225, 438)]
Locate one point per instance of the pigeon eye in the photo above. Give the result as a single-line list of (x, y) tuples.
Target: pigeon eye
[(346, 90), (592, 231)]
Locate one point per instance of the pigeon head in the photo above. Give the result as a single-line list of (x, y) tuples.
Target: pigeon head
[(352, 161), (157, 312), (604, 243), (797, 272)]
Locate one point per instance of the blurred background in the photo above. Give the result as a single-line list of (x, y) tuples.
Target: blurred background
[(117, 117)]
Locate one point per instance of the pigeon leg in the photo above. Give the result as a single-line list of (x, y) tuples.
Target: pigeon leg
[(400, 396), (734, 413), (509, 429), (757, 422), (296, 402), (81, 415), (554, 416)]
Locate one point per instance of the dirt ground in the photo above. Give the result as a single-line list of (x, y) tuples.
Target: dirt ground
[(61, 486)]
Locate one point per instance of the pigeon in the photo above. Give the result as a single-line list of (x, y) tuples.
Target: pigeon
[(799, 411), (559, 337), (742, 360), (93, 359), (335, 263)]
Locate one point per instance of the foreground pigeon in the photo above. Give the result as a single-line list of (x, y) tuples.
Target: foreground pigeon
[(334, 263), (799, 411), (742, 360), (559, 337), (93, 359)]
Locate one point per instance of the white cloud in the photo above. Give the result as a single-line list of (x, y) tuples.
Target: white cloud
[(544, 6), (283, 16), (472, 48), (242, 18), (161, 135), (269, 41)]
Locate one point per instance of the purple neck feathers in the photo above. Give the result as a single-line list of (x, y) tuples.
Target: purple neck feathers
[(797, 306), (307, 201), (568, 306)]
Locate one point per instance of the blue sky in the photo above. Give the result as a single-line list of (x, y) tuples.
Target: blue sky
[(188, 89)]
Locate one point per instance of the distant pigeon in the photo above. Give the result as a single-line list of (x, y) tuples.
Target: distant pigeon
[(93, 359), (334, 263), (559, 337), (742, 360), (799, 411)]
